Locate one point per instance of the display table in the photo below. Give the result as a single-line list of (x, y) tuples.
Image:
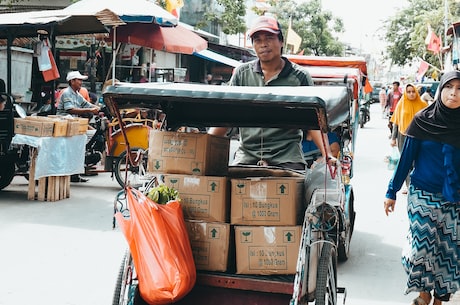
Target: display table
[(52, 162)]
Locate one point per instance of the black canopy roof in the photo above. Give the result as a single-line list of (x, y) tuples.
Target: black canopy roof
[(315, 107)]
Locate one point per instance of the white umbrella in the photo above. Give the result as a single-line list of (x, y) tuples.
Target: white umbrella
[(145, 11), (138, 11)]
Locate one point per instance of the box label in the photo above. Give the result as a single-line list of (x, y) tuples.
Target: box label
[(262, 210), (274, 258), (195, 205), (181, 147)]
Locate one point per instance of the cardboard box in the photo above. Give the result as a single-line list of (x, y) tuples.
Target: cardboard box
[(60, 128), (69, 126), (60, 124), (202, 197), (37, 128), (210, 244), (267, 201), (83, 125), (267, 250), (188, 153)]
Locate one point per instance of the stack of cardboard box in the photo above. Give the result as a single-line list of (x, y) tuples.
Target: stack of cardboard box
[(52, 126), (196, 164), (265, 212), (254, 220)]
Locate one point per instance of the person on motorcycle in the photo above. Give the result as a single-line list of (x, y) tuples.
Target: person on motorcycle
[(73, 103), (271, 146)]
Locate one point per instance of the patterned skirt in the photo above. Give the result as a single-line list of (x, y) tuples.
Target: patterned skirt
[(431, 258)]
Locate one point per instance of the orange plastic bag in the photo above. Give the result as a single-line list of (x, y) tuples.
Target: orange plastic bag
[(160, 248)]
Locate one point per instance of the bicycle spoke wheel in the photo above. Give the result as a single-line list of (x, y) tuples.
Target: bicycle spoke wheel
[(326, 283), (126, 285), (133, 173)]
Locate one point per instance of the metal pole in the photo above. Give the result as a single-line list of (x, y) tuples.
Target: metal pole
[(9, 43), (446, 23), (114, 53)]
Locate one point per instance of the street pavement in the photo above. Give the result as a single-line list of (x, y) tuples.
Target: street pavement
[(63, 252), (66, 252)]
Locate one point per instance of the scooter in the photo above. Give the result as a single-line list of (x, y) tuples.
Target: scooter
[(364, 112)]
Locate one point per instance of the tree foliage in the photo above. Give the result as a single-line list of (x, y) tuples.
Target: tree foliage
[(318, 28), (229, 15), (407, 30)]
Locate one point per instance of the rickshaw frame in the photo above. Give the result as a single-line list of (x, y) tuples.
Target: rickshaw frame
[(318, 107)]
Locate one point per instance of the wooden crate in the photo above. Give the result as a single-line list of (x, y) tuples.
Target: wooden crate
[(51, 188)]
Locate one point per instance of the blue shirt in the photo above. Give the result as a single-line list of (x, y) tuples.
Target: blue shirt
[(430, 170), (309, 145)]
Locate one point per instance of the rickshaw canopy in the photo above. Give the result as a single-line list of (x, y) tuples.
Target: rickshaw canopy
[(310, 107), (322, 75), (357, 62)]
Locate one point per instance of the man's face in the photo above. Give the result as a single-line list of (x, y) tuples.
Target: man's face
[(267, 46), (76, 84)]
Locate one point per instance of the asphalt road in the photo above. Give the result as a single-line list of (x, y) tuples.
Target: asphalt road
[(66, 252), (63, 252)]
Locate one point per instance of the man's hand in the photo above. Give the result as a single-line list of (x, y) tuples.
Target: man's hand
[(95, 110)]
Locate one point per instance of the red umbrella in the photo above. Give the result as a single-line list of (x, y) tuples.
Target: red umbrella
[(176, 39)]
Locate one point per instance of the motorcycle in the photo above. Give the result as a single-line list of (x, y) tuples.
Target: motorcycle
[(364, 112), (13, 158), (97, 137)]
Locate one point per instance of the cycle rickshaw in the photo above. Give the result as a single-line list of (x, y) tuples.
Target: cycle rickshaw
[(328, 217)]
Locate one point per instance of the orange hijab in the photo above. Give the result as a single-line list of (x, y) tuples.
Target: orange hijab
[(406, 109)]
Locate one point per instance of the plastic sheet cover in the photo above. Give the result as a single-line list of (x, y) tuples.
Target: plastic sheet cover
[(57, 156)]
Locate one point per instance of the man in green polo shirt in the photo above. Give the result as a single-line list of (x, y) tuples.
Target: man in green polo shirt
[(271, 146)]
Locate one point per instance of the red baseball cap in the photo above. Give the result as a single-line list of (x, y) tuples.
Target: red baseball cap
[(265, 23)]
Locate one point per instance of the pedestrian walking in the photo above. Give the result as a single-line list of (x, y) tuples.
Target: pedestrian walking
[(383, 101), (392, 100), (432, 147), (405, 110)]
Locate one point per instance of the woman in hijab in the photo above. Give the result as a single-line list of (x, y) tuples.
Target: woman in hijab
[(405, 110), (409, 104), (432, 147)]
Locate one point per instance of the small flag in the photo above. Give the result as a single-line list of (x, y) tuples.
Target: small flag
[(432, 41), (293, 39), (422, 69)]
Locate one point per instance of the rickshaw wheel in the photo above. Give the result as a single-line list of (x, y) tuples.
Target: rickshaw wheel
[(343, 248), (126, 284), (326, 280), (134, 170)]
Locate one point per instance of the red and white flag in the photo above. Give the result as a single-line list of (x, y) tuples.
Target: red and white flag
[(422, 69), (433, 41)]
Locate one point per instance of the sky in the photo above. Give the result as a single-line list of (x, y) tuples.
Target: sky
[(362, 19)]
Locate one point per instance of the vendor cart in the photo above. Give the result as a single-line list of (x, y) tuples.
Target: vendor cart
[(328, 209)]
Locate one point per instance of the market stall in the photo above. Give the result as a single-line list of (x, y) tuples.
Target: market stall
[(53, 161)]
